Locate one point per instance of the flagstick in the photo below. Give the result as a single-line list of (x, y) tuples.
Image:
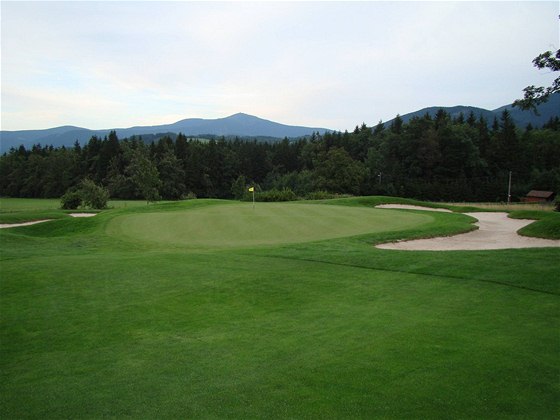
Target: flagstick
[(253, 198)]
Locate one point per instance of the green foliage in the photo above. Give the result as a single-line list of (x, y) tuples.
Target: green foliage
[(337, 172), (145, 176), (88, 194), (533, 95), (319, 195), (239, 187), (301, 182), (172, 176), (275, 195), (440, 158), (71, 200), (93, 195)]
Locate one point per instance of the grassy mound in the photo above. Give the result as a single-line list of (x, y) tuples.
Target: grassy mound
[(239, 225), (547, 225)]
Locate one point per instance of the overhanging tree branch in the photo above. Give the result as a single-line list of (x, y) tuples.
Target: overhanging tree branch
[(533, 95)]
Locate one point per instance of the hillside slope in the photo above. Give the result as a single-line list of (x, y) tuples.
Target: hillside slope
[(520, 117), (240, 124)]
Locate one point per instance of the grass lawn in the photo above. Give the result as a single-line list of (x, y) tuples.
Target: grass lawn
[(33, 204), (239, 225), (150, 312), (16, 210)]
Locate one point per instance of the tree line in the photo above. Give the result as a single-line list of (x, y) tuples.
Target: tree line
[(433, 158)]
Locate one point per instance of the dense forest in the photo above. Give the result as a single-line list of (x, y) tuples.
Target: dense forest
[(434, 158)]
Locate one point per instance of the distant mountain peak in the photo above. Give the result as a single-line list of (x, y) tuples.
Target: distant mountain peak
[(521, 118), (242, 114), (239, 124)]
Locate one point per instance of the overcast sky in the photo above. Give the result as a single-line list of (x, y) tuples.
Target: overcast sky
[(321, 64)]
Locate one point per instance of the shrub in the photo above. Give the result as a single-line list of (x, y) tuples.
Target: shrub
[(285, 194), (71, 200), (557, 203), (325, 195), (93, 195), (88, 194), (319, 195)]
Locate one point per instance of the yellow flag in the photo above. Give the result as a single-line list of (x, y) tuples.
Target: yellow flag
[(251, 189)]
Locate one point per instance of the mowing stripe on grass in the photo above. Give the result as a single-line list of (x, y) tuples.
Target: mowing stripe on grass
[(430, 275)]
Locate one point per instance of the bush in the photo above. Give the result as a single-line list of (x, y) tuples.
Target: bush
[(557, 204), (319, 195), (88, 194), (71, 200), (325, 195), (93, 195), (285, 194)]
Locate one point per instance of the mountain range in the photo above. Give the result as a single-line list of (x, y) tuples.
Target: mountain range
[(244, 125), (240, 124), (521, 118)]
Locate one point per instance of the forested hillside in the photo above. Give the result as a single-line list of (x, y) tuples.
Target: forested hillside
[(434, 158)]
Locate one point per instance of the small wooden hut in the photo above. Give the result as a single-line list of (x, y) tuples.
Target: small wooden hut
[(536, 196)]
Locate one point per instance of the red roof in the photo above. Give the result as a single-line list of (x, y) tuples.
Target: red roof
[(540, 194)]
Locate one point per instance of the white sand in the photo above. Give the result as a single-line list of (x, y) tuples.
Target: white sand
[(83, 214), (495, 231), (409, 207), (11, 225)]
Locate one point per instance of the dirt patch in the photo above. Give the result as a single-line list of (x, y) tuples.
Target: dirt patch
[(495, 231)]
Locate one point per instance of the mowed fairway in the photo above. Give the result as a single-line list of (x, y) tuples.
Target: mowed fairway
[(155, 312), (241, 225)]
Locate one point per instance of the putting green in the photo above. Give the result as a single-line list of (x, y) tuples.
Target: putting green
[(238, 225)]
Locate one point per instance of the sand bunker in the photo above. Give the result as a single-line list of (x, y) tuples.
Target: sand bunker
[(11, 225), (495, 231), (409, 207)]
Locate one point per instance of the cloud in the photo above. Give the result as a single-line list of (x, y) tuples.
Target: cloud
[(103, 64)]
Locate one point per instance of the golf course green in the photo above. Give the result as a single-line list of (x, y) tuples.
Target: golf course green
[(242, 225), (210, 309)]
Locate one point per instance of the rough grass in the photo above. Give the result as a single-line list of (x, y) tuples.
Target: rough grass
[(548, 207), (28, 204), (547, 225), (92, 326), (16, 210)]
